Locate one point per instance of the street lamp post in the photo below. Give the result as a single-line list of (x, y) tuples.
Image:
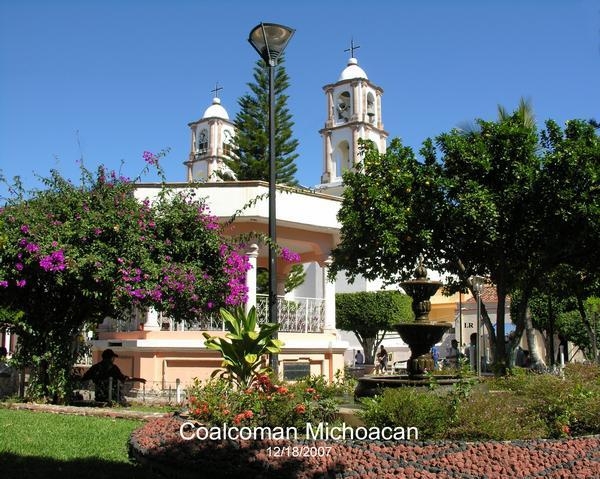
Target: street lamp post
[(477, 284), (269, 40)]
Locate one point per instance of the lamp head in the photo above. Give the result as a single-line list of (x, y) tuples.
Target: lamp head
[(477, 282), (270, 40)]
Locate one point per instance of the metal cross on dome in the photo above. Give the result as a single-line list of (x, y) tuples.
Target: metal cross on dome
[(352, 48), (216, 90)]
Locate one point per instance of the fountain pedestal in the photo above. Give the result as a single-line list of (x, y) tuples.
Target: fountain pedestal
[(422, 334)]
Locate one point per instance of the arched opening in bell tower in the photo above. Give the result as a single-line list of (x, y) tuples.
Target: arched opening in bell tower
[(341, 157)]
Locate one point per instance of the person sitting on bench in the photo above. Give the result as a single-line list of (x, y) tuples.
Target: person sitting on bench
[(100, 373)]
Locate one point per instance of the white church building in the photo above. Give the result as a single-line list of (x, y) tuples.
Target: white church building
[(155, 348)]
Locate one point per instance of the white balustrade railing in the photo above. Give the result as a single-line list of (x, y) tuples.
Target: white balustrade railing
[(298, 315)]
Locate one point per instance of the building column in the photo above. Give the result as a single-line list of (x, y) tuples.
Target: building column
[(252, 255), (152, 323), (354, 158), (330, 109), (355, 100), (328, 155), (328, 296), (379, 120)]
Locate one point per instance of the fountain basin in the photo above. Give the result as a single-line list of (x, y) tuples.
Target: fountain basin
[(369, 386), (421, 336)]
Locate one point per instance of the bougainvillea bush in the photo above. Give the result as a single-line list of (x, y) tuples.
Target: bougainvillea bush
[(70, 255), (265, 403)]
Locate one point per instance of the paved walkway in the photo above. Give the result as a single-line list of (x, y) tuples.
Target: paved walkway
[(113, 412)]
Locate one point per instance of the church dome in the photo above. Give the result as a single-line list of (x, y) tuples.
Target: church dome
[(216, 110), (352, 71)]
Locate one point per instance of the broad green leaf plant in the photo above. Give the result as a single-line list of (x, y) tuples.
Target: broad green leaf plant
[(244, 346)]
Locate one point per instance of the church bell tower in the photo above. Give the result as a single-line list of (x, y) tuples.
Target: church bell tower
[(353, 112), (212, 138)]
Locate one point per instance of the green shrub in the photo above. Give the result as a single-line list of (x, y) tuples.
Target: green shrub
[(430, 413), (521, 405), (567, 405), (585, 416), (497, 416)]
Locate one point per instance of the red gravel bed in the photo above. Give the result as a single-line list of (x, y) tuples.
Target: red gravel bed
[(158, 443)]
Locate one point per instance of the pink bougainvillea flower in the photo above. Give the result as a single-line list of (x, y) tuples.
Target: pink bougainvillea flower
[(53, 262), (32, 248), (150, 158), (290, 256)]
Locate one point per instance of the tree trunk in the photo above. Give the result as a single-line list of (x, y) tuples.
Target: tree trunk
[(368, 345), (550, 339), (487, 322), (591, 332), (500, 357), (535, 360)]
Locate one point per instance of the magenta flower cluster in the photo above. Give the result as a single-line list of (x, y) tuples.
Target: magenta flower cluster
[(55, 261), (290, 256), (177, 288), (150, 158), (236, 266)]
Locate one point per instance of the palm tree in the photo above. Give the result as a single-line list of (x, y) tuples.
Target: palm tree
[(524, 112)]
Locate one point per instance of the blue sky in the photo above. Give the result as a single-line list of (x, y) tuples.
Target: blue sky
[(121, 77)]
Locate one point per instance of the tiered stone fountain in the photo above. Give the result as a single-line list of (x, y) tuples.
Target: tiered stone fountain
[(420, 336)]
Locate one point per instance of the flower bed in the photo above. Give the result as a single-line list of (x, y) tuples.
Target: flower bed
[(159, 444)]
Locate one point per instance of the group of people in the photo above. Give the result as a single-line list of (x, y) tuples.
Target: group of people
[(382, 360)]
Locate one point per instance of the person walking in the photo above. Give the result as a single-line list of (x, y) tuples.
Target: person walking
[(382, 360)]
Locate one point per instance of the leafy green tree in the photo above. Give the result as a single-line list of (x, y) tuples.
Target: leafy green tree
[(571, 325), (370, 314), (250, 158), (73, 255), (569, 203), (502, 201), (295, 278)]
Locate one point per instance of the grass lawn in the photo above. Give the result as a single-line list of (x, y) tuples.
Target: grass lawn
[(36, 444)]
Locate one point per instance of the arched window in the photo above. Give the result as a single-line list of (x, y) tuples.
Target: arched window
[(203, 141), (371, 107), (343, 106), (227, 142), (342, 158)]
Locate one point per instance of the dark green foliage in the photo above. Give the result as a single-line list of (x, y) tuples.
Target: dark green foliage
[(409, 407), (370, 314), (521, 406), (250, 159), (502, 201)]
